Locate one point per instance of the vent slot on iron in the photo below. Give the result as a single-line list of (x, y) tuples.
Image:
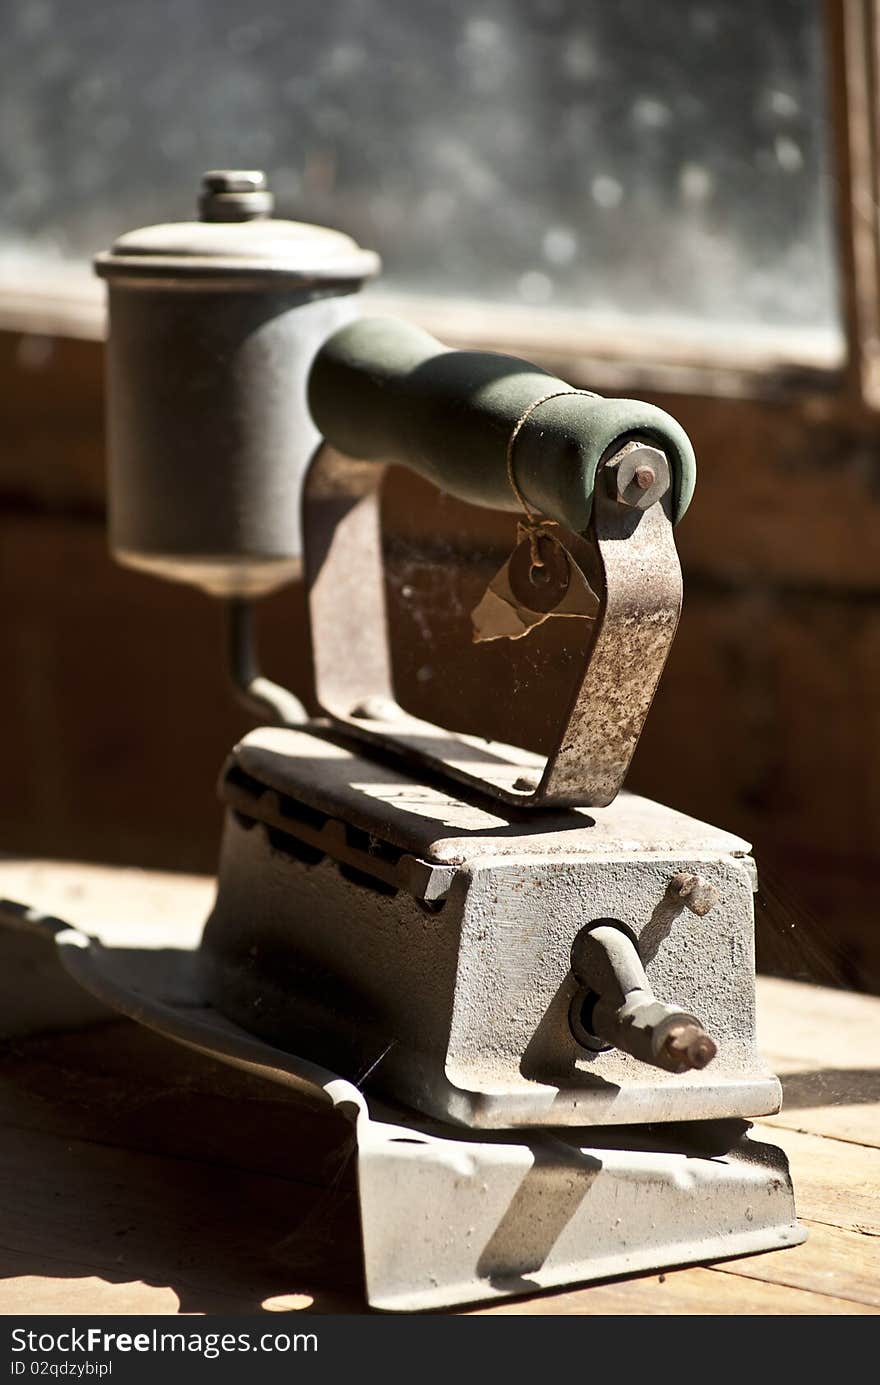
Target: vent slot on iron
[(306, 834)]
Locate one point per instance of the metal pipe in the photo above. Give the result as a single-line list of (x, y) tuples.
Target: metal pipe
[(626, 1013), (264, 699)]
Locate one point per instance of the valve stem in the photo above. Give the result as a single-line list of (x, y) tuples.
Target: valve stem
[(626, 1013), (687, 1046)]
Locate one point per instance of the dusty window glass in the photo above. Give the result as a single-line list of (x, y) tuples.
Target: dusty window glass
[(668, 161)]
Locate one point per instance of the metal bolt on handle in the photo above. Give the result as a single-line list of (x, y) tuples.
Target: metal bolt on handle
[(638, 475)]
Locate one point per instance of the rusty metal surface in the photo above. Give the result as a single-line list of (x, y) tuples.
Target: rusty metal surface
[(633, 634), (463, 1011), (625, 649)]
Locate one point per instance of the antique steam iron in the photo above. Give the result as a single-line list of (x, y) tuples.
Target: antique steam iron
[(544, 983)]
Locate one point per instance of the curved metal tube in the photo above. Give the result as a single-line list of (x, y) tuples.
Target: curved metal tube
[(627, 1014), (268, 701)]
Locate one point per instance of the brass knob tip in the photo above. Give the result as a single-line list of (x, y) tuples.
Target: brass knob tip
[(687, 1046)]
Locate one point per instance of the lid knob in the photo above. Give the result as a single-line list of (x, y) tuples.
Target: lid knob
[(234, 194)]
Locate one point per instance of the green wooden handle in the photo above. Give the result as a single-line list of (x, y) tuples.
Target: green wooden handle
[(384, 390)]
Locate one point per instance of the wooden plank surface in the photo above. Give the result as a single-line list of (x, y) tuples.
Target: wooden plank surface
[(824, 1045), (692, 1292), (139, 1178)]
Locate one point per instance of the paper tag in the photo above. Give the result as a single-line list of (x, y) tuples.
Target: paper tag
[(540, 579)]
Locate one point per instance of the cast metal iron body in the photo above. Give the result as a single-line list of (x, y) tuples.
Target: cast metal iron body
[(397, 928)]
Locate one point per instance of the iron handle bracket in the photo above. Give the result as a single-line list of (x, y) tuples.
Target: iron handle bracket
[(624, 649)]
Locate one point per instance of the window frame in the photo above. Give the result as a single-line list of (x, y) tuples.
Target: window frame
[(620, 352)]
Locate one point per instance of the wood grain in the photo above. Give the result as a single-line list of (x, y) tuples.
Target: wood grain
[(696, 1292), (835, 1261), (830, 1074)]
